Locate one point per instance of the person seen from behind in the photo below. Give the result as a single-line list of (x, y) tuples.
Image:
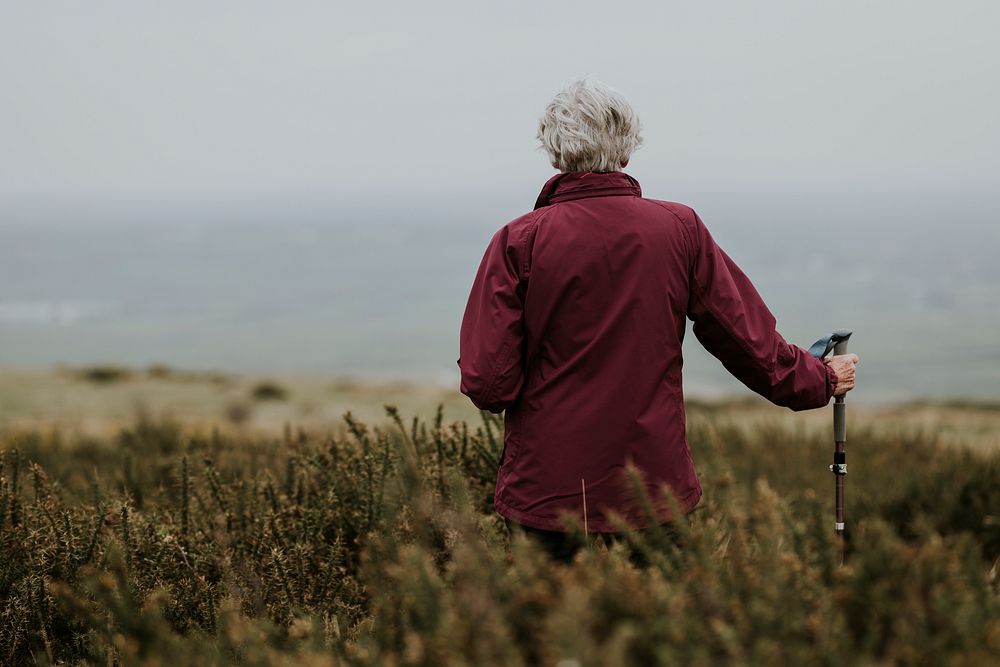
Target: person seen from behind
[(573, 329)]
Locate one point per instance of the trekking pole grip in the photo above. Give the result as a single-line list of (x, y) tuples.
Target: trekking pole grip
[(836, 342), (839, 407)]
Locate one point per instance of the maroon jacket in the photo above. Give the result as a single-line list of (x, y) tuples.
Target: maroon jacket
[(574, 327)]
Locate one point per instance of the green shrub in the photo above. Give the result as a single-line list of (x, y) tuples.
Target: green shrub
[(269, 391), (104, 374), (381, 548)]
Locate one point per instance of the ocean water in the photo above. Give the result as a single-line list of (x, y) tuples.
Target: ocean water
[(378, 288)]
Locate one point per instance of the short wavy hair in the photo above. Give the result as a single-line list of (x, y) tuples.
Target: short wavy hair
[(589, 127)]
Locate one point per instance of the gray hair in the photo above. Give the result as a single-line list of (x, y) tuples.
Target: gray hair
[(589, 127)]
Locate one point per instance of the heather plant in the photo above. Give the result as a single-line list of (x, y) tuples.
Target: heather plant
[(379, 546)]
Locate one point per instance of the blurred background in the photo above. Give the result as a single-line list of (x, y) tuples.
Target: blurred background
[(306, 189)]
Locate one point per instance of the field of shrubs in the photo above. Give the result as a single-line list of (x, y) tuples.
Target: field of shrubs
[(377, 545)]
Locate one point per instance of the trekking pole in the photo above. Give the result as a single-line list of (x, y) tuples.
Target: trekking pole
[(837, 341)]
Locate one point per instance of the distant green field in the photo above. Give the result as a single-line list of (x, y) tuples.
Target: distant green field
[(262, 540)]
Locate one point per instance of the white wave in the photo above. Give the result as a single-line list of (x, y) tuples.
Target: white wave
[(54, 312)]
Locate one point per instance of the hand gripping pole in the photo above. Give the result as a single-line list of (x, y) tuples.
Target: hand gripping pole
[(837, 342)]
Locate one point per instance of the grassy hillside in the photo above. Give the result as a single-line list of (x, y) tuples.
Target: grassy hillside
[(168, 542)]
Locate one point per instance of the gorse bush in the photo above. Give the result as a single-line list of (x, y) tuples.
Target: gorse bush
[(104, 374), (268, 390), (380, 547)]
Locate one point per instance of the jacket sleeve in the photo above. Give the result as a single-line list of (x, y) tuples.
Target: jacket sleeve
[(492, 332), (732, 322)]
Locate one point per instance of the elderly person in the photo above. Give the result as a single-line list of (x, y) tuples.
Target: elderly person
[(574, 326)]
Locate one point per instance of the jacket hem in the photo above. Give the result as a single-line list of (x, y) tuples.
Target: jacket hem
[(687, 504)]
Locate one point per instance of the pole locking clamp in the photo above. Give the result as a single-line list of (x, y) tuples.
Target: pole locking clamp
[(839, 466)]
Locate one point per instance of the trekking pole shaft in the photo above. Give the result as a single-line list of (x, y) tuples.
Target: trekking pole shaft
[(839, 455)]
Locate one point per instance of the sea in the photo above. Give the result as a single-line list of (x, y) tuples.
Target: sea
[(375, 287)]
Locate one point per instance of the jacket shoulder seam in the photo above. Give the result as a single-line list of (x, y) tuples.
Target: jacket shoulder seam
[(531, 220), (685, 225)]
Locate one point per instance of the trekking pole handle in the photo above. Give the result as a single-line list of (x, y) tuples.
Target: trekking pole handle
[(837, 343), (839, 406)]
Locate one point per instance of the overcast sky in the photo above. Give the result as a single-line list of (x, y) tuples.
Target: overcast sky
[(192, 99)]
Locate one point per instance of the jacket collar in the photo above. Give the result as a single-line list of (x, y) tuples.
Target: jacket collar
[(568, 185)]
